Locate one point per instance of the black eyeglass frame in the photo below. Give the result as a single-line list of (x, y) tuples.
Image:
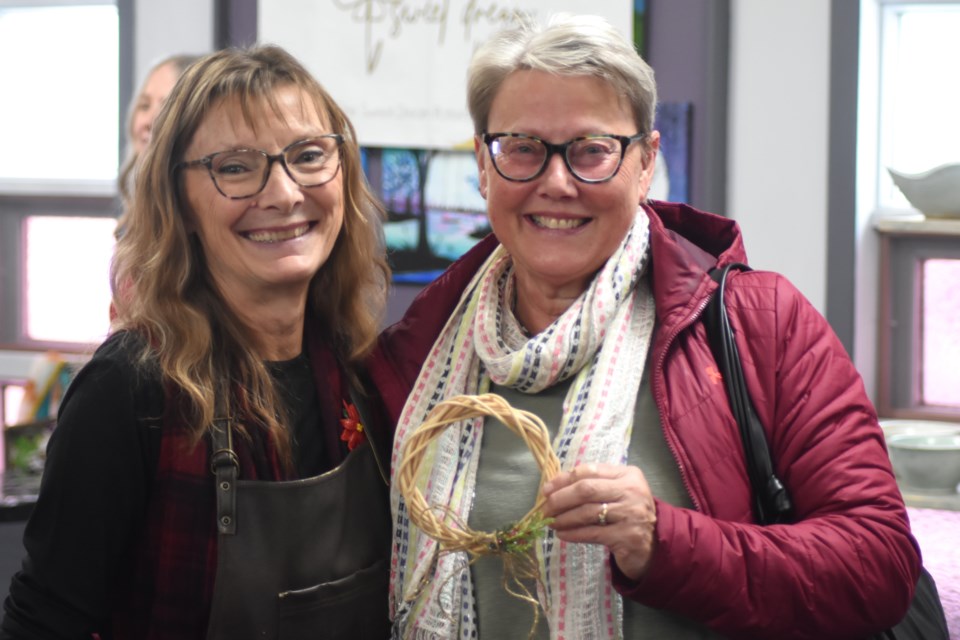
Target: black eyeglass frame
[(207, 161), (625, 142)]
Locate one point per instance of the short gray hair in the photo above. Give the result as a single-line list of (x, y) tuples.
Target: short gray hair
[(570, 45)]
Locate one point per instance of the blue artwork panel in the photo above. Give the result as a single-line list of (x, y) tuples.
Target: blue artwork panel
[(672, 181), (434, 209)]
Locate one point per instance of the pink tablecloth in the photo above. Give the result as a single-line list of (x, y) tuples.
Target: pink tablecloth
[(938, 533)]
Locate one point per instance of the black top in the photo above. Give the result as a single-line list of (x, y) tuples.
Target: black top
[(294, 379), (101, 462)]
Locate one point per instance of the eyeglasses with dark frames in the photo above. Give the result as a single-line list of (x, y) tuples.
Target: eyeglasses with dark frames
[(243, 173), (519, 157)]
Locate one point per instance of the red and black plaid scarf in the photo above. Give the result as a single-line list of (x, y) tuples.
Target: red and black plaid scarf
[(175, 561)]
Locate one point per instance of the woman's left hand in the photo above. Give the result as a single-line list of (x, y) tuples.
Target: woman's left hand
[(609, 505)]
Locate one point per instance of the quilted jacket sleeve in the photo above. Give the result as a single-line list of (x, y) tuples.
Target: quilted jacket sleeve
[(847, 565)]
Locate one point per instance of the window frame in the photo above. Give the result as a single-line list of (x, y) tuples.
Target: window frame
[(23, 198), (888, 197), (14, 210), (899, 238), (904, 246)]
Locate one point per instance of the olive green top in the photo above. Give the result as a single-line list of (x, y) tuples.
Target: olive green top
[(506, 487)]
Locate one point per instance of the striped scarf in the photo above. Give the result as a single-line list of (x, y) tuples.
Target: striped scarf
[(601, 340)]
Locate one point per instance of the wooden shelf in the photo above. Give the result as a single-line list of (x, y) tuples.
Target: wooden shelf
[(917, 225), (926, 500)]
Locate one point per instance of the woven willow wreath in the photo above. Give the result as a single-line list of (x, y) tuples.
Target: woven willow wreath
[(515, 538)]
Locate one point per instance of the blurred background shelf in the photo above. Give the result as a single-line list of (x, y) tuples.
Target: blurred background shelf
[(926, 500)]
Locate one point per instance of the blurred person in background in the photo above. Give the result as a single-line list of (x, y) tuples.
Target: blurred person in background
[(143, 110)]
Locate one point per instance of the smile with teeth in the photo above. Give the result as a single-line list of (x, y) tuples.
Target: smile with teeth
[(277, 236), (558, 223)]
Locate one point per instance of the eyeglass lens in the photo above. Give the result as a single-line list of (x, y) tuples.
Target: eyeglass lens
[(521, 157), (244, 172)]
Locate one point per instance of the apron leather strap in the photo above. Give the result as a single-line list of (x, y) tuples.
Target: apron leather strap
[(226, 467)]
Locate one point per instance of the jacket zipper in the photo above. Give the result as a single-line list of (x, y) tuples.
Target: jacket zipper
[(658, 397)]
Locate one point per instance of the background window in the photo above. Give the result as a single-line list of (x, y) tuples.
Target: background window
[(941, 333), (60, 122), (914, 130), (59, 136), (67, 278), (919, 323), (919, 93)]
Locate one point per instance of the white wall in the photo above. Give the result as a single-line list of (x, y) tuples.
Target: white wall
[(170, 27), (779, 107)]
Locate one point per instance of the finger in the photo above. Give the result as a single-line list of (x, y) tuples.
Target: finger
[(588, 535), (586, 483), (585, 516), (580, 472), (581, 492), (632, 547), (566, 478)]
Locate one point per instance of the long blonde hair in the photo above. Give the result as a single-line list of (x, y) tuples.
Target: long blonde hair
[(161, 285)]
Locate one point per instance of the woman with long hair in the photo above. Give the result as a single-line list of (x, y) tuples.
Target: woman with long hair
[(213, 471)]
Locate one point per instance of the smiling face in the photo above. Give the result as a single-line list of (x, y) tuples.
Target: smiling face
[(155, 91), (558, 230), (272, 243)]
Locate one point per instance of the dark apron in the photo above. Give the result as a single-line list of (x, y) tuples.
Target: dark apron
[(301, 559)]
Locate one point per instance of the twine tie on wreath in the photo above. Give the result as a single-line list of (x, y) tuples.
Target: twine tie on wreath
[(514, 543)]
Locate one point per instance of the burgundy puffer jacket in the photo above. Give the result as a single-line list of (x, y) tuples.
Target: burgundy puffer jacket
[(848, 564)]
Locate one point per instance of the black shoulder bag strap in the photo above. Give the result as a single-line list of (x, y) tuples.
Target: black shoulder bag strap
[(771, 500), (925, 620)]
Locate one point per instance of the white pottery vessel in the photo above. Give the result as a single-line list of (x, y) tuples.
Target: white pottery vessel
[(936, 193), (927, 462), (915, 427)]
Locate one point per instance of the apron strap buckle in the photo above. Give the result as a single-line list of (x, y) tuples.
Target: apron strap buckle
[(226, 467)]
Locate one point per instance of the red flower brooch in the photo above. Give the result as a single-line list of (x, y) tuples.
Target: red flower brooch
[(352, 432)]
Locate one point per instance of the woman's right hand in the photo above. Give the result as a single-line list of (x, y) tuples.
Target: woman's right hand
[(605, 504)]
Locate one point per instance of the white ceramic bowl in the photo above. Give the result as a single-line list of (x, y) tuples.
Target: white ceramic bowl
[(936, 193), (918, 427), (927, 462)]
